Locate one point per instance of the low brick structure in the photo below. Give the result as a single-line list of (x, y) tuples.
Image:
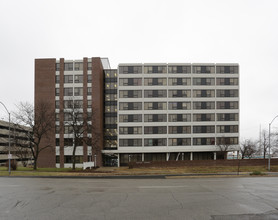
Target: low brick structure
[(181, 163)]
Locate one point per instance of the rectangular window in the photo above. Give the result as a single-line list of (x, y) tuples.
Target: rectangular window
[(227, 117), (227, 105), (130, 118), (78, 91), (130, 142), (57, 79), (78, 78), (89, 91), (130, 130), (155, 69), (57, 66), (130, 69), (179, 117), (155, 118), (203, 129), (68, 104), (89, 103), (68, 66), (68, 91), (130, 93), (179, 129), (78, 66), (227, 69), (179, 106), (57, 91), (155, 142), (155, 93), (68, 79), (155, 130), (57, 104), (203, 117), (204, 141), (203, 69), (130, 106), (155, 81), (227, 81), (130, 81), (227, 93), (203, 105), (155, 105), (179, 141), (227, 129), (179, 81), (179, 69), (89, 78), (203, 81), (89, 65), (226, 140), (203, 93), (179, 93)]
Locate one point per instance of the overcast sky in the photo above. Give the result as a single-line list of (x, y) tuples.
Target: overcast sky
[(190, 31)]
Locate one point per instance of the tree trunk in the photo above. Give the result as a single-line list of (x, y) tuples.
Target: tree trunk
[(35, 163), (73, 157)]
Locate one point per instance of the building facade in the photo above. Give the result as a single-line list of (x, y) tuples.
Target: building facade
[(141, 112)]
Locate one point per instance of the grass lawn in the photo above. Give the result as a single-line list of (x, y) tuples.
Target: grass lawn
[(23, 171)]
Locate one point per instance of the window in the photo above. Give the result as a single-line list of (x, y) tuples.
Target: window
[(179, 129), (179, 69), (68, 79), (227, 105), (155, 106), (78, 66), (203, 81), (68, 66), (227, 69), (227, 129), (57, 129), (57, 79), (179, 105), (203, 105), (130, 142), (78, 78), (130, 118), (179, 141), (57, 91), (227, 93), (78, 91), (130, 105), (155, 142), (68, 129), (203, 93), (179, 117), (57, 104), (227, 117), (57, 116), (155, 93), (130, 93), (155, 130), (203, 69), (227, 81), (68, 141), (110, 120), (89, 78), (203, 117), (130, 69), (204, 141), (155, 117), (179, 93), (130, 130), (68, 103), (155, 81), (89, 103), (227, 140), (57, 66), (89, 65), (203, 129), (130, 81), (155, 69), (89, 91), (179, 81)]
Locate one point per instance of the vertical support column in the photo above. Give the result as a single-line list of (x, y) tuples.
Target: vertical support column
[(118, 160), (191, 155), (61, 99), (143, 157), (167, 156), (85, 106), (214, 155)]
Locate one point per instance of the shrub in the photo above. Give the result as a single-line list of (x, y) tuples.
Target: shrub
[(13, 164), (257, 173)]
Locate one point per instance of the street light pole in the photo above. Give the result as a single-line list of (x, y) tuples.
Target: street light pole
[(9, 155), (269, 141)]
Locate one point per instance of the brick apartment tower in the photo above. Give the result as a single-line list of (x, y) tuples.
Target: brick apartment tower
[(50, 86)]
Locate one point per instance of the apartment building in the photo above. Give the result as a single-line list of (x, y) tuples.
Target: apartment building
[(141, 112)]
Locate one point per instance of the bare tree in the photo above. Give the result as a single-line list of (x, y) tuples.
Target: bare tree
[(80, 124), (247, 149), (40, 120), (224, 146), (264, 143)]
